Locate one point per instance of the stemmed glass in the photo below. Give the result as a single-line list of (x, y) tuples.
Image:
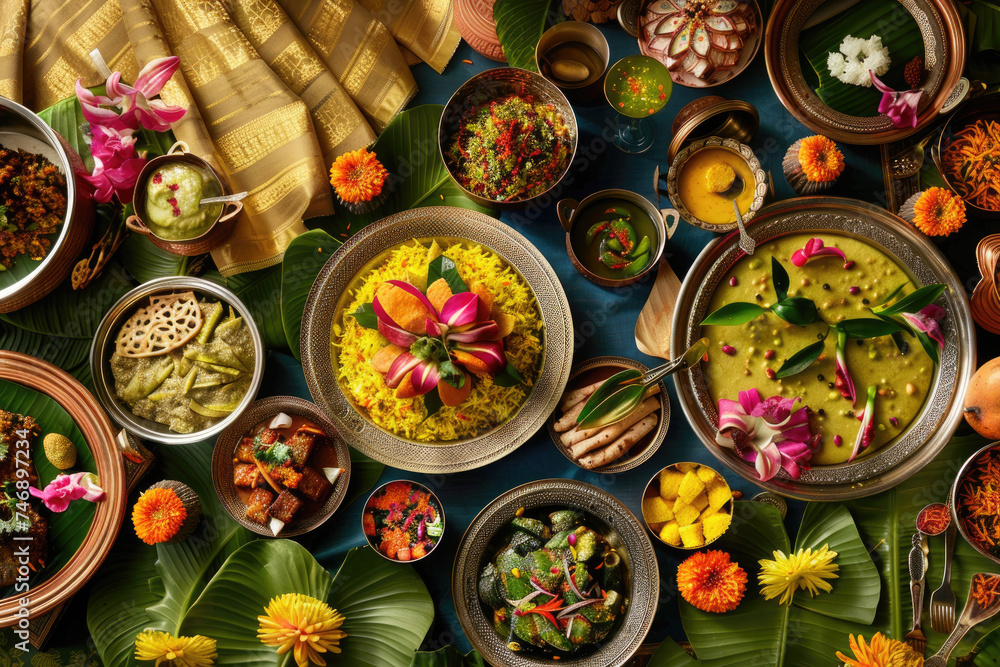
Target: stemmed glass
[(636, 87)]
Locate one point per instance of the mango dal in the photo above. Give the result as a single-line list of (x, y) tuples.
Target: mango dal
[(764, 344)]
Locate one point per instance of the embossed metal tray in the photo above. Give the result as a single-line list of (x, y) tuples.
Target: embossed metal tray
[(944, 53), (607, 513), (941, 412), (339, 274)]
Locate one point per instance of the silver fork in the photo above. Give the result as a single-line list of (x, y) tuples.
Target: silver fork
[(943, 599)]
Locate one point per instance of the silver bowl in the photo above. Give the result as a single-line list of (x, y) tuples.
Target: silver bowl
[(103, 347), (953, 500), (941, 413), (493, 84), (339, 274), (625, 532), (21, 128)]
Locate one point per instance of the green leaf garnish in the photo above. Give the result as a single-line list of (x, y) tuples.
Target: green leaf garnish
[(432, 403), (801, 360), (913, 302), (930, 347), (615, 407), (780, 279), (734, 314), (867, 327), (365, 316), (276, 454), (893, 294), (444, 267), (610, 386), (797, 310), (508, 377)]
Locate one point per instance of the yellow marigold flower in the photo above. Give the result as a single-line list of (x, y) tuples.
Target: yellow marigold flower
[(158, 515), (711, 582), (358, 176), (194, 651), (304, 625), (820, 159), (938, 212), (882, 652), (805, 569)]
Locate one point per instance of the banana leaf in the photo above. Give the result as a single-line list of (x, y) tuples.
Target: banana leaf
[(261, 292), (68, 529), (408, 147), (520, 24), (886, 18), (670, 654), (145, 261), (303, 259), (447, 657), (365, 472), (387, 609)]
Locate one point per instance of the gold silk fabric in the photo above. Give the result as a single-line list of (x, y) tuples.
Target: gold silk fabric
[(274, 90)]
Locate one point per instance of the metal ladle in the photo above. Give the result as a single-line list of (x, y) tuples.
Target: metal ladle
[(747, 244), (222, 199), (908, 162)]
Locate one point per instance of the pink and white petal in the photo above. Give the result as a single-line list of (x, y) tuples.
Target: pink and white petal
[(768, 462), (155, 74)]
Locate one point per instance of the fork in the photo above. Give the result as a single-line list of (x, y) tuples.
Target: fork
[(918, 569), (972, 614), (943, 599)]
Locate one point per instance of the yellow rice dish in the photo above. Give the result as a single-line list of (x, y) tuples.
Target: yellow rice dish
[(488, 405)]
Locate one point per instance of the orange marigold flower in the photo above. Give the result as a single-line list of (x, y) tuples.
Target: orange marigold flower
[(358, 176), (158, 515), (711, 582), (820, 159), (939, 212), (882, 652)]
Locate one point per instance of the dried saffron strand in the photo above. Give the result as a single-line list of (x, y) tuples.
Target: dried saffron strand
[(934, 520), (971, 160), (984, 589), (978, 502)]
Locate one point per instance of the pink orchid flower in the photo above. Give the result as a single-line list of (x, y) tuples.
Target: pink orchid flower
[(900, 107), (767, 433), (844, 382), (97, 108), (814, 248), (66, 488), (928, 321), (116, 165), (867, 431), (136, 100)]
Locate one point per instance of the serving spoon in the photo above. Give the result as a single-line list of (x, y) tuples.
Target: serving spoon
[(908, 162), (973, 614), (222, 199), (918, 575), (747, 244)]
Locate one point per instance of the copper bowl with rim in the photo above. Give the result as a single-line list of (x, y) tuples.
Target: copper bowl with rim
[(21, 128), (416, 486), (985, 107), (954, 492), (198, 245)]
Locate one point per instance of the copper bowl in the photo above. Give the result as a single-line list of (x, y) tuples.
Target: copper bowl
[(109, 513), (313, 513), (20, 128), (494, 84), (198, 245), (987, 108)]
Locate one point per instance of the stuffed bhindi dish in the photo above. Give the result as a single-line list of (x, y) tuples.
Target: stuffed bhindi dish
[(183, 361), (556, 586)]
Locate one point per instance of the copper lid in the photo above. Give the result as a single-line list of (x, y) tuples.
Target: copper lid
[(713, 116)]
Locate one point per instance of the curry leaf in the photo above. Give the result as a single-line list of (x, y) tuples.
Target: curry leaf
[(615, 407), (432, 403), (930, 347), (867, 327), (780, 278), (797, 310), (914, 301), (610, 386), (444, 267), (734, 314), (893, 294), (801, 360), (508, 377), (365, 316)]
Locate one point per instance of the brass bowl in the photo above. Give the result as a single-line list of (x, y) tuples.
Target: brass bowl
[(941, 413), (21, 128), (340, 273), (198, 245), (493, 84), (415, 486), (653, 489), (606, 366), (744, 152), (583, 33), (109, 513), (953, 494), (987, 108), (944, 43), (312, 514), (608, 514)]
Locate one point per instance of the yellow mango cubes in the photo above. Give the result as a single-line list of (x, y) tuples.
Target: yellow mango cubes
[(688, 505)]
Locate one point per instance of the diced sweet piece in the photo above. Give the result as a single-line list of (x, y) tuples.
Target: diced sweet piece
[(670, 481), (679, 504), (692, 536), (657, 526), (686, 467), (707, 512), (314, 486), (706, 474), (656, 510), (690, 487), (715, 525), (700, 501), (245, 475), (257, 505), (687, 516), (670, 533), (718, 495), (285, 507), (244, 450), (302, 444)]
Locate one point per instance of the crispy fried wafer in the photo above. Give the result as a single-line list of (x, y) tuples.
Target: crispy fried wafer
[(167, 323)]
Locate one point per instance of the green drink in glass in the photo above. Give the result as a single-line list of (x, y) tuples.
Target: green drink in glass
[(636, 87)]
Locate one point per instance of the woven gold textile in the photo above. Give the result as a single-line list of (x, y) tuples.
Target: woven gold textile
[(275, 90)]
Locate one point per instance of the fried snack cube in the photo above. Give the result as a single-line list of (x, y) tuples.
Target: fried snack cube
[(244, 451), (678, 504), (313, 485), (715, 525), (687, 515), (286, 475), (700, 501), (670, 482), (718, 494), (706, 474), (690, 487), (670, 533), (686, 467), (656, 510), (257, 505), (245, 475), (285, 507), (302, 444), (692, 536), (707, 512)]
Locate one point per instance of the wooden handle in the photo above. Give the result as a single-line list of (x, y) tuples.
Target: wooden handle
[(136, 224), (178, 147), (672, 227), (235, 208), (565, 209)]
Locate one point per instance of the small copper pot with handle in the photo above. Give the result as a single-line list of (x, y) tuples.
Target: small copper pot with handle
[(198, 245), (567, 210)]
